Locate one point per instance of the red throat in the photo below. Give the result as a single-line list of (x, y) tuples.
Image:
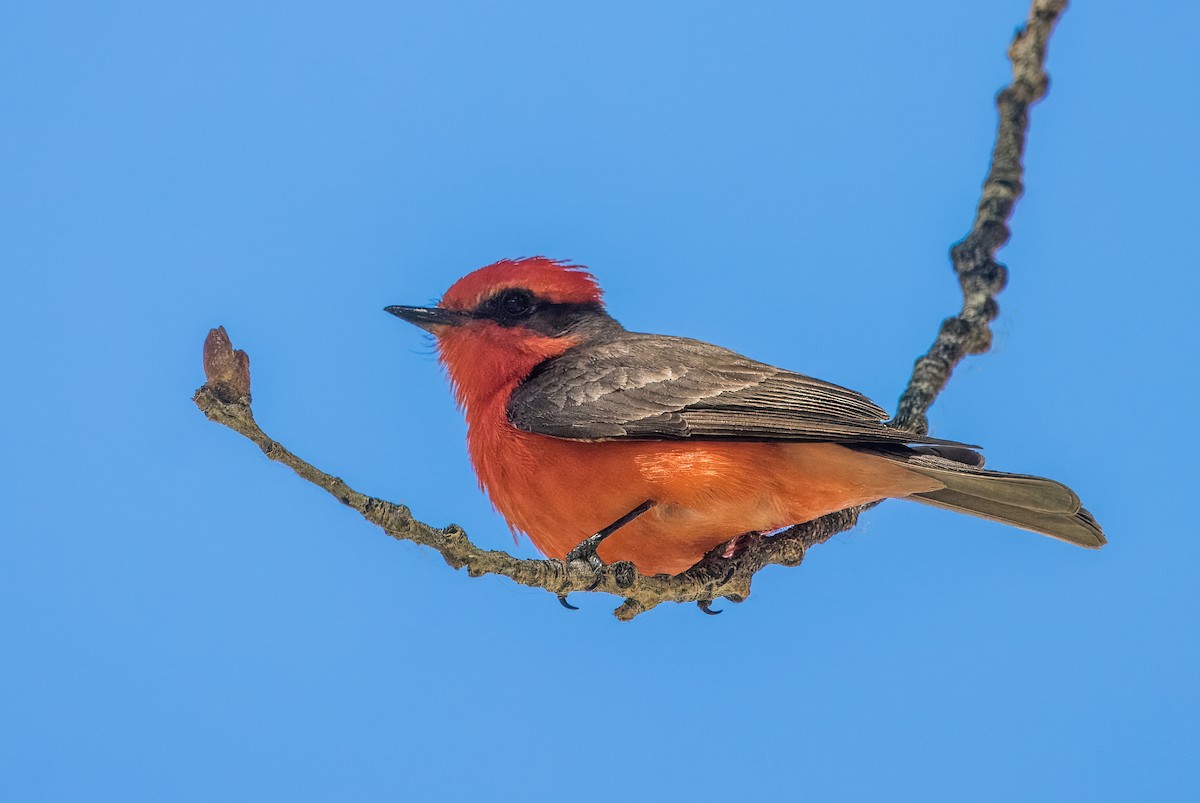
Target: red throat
[(484, 360)]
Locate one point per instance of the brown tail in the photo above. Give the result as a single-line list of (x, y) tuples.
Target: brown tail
[(1031, 503)]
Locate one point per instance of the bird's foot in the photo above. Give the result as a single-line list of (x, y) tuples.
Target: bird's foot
[(586, 551)]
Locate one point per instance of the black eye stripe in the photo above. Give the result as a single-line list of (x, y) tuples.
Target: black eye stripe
[(520, 307), (507, 307), (516, 303)]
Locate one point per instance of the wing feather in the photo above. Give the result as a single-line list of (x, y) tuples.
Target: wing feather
[(664, 388)]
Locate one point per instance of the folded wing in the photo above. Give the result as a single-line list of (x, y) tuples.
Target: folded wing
[(665, 388)]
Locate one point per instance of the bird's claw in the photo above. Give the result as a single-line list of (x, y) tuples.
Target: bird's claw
[(706, 606), (562, 600)]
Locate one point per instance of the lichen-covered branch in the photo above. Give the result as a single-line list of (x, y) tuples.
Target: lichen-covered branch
[(225, 396)]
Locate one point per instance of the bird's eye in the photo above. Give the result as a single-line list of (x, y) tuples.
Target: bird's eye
[(515, 303)]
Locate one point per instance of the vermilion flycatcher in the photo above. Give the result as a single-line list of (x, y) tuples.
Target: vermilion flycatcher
[(656, 449)]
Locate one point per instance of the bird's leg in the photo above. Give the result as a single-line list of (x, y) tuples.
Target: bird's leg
[(586, 551)]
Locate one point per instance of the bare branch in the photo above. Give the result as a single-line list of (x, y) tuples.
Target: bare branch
[(225, 397), (974, 257)]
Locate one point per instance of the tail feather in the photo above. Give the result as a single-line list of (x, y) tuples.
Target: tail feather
[(1031, 503), (1075, 528), (1020, 490)]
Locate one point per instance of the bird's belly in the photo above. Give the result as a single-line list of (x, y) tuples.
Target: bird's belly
[(705, 492)]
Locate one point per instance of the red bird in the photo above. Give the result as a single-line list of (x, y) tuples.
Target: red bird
[(659, 449)]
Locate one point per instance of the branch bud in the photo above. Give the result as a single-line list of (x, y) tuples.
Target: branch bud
[(226, 372)]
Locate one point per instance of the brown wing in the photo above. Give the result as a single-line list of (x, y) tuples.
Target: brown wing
[(665, 388)]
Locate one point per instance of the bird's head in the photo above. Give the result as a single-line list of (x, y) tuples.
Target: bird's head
[(494, 326)]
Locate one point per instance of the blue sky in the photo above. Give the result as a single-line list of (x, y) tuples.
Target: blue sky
[(181, 619)]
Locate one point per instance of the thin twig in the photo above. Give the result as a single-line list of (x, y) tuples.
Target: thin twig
[(225, 397), (974, 257)]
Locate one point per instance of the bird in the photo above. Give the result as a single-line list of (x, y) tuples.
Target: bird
[(612, 445)]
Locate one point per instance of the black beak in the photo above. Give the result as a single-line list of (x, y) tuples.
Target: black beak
[(429, 318)]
